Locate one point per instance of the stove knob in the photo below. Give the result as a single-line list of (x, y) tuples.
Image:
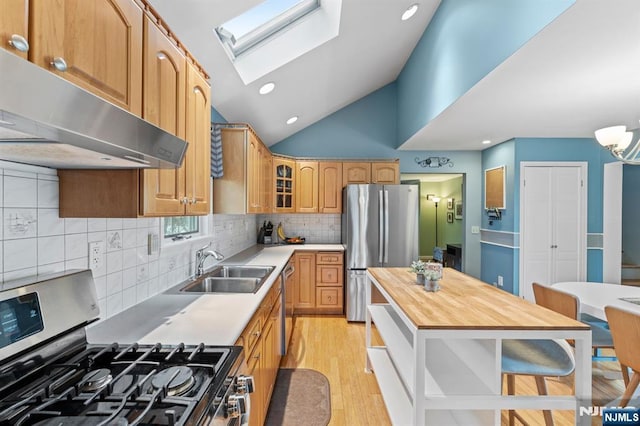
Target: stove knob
[(237, 405), (244, 384)]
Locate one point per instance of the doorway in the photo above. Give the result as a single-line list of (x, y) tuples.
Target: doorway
[(439, 226), (552, 223)]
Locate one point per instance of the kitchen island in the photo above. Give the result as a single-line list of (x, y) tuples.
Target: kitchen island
[(441, 363)]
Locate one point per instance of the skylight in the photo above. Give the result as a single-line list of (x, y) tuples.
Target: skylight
[(261, 22)]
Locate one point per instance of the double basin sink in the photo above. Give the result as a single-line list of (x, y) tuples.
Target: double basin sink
[(230, 279)]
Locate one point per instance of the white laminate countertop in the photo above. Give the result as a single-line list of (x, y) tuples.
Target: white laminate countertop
[(213, 319)]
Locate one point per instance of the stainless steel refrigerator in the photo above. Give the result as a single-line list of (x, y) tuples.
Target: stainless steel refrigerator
[(379, 228)]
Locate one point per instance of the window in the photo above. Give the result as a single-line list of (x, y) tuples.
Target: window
[(261, 22), (178, 227)]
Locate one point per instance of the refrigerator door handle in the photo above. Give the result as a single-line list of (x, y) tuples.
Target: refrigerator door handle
[(386, 226), (380, 228)]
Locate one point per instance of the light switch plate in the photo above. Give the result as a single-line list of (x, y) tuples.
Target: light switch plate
[(475, 229), (153, 243)]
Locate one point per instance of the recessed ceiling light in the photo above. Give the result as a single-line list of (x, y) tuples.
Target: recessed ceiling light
[(292, 119), (267, 88), (486, 142), (411, 10)]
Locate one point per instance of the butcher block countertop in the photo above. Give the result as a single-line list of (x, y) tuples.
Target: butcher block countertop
[(464, 302)]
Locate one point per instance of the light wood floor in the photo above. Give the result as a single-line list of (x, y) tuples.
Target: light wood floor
[(336, 348)]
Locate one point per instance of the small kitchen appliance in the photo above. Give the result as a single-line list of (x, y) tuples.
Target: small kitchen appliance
[(50, 375)]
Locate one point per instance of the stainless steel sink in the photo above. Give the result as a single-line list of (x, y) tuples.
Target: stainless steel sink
[(241, 271), (224, 285), (230, 279)]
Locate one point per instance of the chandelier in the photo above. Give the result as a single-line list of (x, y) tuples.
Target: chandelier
[(617, 140)]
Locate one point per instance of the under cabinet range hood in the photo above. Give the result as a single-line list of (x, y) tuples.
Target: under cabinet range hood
[(48, 121)]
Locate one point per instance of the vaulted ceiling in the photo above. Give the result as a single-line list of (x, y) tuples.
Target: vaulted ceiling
[(578, 74)]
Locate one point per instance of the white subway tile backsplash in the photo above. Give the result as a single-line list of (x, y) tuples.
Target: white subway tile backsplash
[(75, 225), (20, 254), (20, 192), (47, 193), (49, 223), (19, 223), (96, 224), (114, 283), (75, 246), (50, 250), (35, 240)]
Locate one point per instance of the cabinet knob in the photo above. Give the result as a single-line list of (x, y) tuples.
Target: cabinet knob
[(59, 63), (19, 43)]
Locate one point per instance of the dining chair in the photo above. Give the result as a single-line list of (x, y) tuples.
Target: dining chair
[(569, 305), (537, 358), (625, 328)]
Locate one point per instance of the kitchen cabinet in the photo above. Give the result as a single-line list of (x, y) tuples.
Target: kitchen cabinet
[(284, 180), (319, 279), (164, 105), (266, 184), (330, 187), (261, 344), (96, 45), (14, 26), (246, 183), (329, 282), (306, 186), (356, 172), (305, 291), (387, 173)]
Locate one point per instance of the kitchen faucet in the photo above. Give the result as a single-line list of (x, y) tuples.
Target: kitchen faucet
[(201, 255)]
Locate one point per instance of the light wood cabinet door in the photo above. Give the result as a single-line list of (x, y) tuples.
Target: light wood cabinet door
[(330, 187), (255, 368), (253, 173), (356, 172), (100, 41), (385, 173), (306, 186), (164, 105), (198, 133), (305, 291), (266, 184), (14, 21), (284, 182)]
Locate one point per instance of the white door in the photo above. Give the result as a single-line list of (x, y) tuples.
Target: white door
[(612, 224), (552, 224)]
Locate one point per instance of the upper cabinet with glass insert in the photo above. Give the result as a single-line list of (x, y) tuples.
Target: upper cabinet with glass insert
[(284, 178)]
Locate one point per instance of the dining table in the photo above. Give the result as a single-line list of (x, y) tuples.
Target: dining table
[(594, 296)]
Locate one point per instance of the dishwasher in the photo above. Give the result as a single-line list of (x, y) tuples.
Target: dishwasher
[(288, 282)]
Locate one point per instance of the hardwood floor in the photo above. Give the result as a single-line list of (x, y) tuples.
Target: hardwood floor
[(336, 348)]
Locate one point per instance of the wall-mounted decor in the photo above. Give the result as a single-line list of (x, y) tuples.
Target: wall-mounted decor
[(458, 210), (494, 195), (434, 162), (450, 203), (430, 196), (449, 217)]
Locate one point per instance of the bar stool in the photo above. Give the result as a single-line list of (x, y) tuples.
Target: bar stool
[(569, 305), (625, 328), (537, 358)]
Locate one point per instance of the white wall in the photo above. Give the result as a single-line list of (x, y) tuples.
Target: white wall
[(34, 240)]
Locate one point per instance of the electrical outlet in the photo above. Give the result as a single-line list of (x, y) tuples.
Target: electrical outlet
[(96, 255), (500, 283)]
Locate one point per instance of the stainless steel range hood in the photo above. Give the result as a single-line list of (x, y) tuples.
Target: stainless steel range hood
[(47, 121)]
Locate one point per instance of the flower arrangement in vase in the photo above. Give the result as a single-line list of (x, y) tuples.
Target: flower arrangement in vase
[(418, 267), (431, 277)]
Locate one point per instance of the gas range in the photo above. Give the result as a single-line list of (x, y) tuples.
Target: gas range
[(60, 379)]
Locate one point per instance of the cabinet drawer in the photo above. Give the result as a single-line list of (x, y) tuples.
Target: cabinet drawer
[(329, 297), (251, 334), (329, 275), (329, 258)]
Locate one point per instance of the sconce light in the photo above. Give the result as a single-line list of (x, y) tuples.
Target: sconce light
[(616, 139)]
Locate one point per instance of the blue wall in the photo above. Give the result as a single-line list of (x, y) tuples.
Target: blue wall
[(499, 260), (465, 40), (216, 117)]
